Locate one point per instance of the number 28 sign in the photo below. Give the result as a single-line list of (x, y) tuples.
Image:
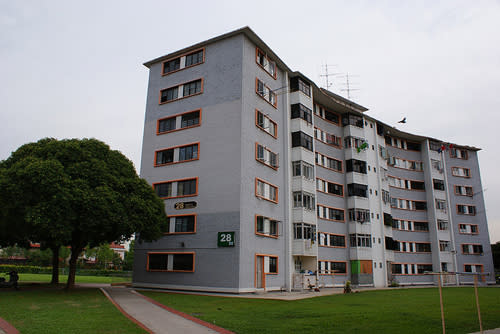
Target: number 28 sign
[(225, 239)]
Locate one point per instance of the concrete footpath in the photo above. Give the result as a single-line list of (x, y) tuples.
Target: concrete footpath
[(154, 317)]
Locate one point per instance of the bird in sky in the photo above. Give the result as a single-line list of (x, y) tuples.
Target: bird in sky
[(403, 120)]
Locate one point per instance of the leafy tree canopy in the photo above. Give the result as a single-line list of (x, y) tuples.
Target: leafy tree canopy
[(75, 193)]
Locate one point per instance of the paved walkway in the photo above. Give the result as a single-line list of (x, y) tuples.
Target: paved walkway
[(157, 318)]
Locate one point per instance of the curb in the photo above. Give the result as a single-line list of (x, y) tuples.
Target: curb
[(185, 315), (134, 320), (7, 328)]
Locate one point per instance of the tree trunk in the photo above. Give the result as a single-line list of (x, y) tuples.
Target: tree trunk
[(75, 252), (55, 265)]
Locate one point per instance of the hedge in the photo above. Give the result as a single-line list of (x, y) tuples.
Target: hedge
[(5, 268)]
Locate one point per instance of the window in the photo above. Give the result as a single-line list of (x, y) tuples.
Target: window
[(187, 187), (468, 229), (194, 58), (187, 152), (171, 65), (181, 224), (421, 226), (359, 215), (304, 231), (331, 267), (438, 184), (402, 143), (329, 187), (473, 268), (190, 119), (327, 162), (422, 247), (300, 139), (327, 138), (441, 205), (182, 262), (331, 240), (386, 197), (463, 190), (265, 92), (352, 119), (355, 142), (435, 146), (187, 120), (297, 84), (266, 226), (466, 209), (327, 115), (361, 240), (387, 219), (406, 164), (472, 249), (166, 125), (302, 199), (437, 165), (188, 89), (300, 111), (183, 188), (328, 213), (460, 171), (191, 88), (422, 268), (459, 154), (266, 124), (405, 204), (353, 165), (191, 59), (266, 156), (266, 190), (169, 94), (265, 62), (273, 265), (442, 225), (408, 225), (164, 157), (406, 184), (301, 168), (355, 189)]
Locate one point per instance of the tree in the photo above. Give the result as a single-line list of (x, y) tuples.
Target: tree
[(128, 262), (75, 193)]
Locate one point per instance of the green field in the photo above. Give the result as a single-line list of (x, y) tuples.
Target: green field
[(45, 278), (53, 310), (383, 311)]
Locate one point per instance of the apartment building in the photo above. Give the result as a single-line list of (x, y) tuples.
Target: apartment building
[(271, 182)]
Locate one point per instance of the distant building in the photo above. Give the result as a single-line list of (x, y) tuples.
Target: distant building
[(271, 182)]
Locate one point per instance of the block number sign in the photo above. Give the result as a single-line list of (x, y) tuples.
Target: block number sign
[(225, 239)]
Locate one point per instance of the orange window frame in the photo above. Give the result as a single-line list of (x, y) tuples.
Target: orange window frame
[(271, 185), (331, 134), (184, 215), (175, 116), (333, 274), (263, 162), (179, 85), (180, 56), (176, 162), (326, 156), (324, 192), (263, 234), (275, 135), (178, 180), (464, 168), (275, 104), (330, 207), (171, 271), (275, 75), (341, 235), (333, 112)]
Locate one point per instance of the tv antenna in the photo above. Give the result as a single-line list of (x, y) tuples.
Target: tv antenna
[(348, 84), (327, 76)]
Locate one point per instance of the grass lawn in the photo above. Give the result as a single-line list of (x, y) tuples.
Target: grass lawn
[(382, 311), (45, 278), (53, 310)]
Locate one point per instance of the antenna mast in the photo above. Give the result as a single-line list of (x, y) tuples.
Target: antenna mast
[(327, 76)]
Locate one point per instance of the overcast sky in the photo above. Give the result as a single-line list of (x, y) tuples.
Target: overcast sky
[(73, 69)]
